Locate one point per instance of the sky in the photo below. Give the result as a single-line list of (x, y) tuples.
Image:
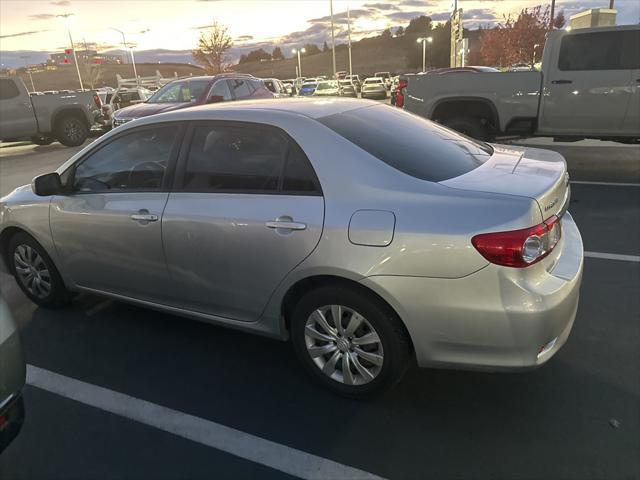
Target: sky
[(176, 24)]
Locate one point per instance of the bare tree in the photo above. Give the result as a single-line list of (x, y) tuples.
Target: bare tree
[(212, 47)]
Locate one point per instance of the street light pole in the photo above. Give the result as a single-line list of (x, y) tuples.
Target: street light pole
[(67, 19), (424, 41), (534, 54), (333, 40), (25, 57), (349, 30), (299, 51), (124, 43)]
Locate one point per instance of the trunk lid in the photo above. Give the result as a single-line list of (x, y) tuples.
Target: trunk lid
[(525, 172)]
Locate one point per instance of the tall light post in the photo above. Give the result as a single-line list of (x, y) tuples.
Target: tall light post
[(424, 41), (349, 31), (299, 51), (124, 43), (534, 54), (68, 19), (333, 40), (26, 67)]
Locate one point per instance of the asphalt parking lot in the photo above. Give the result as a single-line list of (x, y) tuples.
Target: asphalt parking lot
[(116, 391)]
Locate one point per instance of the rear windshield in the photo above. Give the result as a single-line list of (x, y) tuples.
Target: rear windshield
[(411, 144)]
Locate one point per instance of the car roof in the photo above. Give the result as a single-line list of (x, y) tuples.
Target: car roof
[(309, 107)]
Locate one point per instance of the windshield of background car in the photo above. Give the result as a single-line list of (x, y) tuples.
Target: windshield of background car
[(309, 85), (369, 81), (180, 92), (409, 143), (327, 85)]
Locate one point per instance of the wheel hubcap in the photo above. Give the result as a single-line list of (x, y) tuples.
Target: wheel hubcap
[(343, 345), (72, 131), (32, 271)]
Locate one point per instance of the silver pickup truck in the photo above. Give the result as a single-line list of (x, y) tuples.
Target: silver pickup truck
[(66, 117), (590, 84)]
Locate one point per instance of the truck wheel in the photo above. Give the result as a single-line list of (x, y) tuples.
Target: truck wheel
[(470, 126), (71, 131), (42, 140)]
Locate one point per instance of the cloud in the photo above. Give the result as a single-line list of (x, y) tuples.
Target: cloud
[(414, 3), (357, 13), (61, 3), (404, 16), (42, 16), (380, 6), (22, 34), (244, 38)]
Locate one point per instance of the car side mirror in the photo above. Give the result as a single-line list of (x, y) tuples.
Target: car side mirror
[(215, 99), (47, 184)]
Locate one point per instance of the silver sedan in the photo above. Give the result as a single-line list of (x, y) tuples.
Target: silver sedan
[(369, 237)]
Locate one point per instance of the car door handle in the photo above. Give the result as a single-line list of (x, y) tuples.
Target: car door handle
[(286, 225), (561, 82), (143, 216)]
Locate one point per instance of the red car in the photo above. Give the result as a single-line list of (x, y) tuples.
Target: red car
[(188, 92)]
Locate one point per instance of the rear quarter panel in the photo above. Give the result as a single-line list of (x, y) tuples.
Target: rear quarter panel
[(48, 106), (513, 94)]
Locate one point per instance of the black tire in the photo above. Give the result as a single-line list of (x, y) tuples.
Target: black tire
[(394, 341), (470, 126), (71, 131), (58, 295), (42, 140)]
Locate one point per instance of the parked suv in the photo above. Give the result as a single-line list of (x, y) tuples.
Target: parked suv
[(187, 92)]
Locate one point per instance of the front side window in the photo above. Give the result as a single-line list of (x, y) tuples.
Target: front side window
[(180, 92), (246, 159), (221, 89), (609, 50), (134, 161), (8, 89)]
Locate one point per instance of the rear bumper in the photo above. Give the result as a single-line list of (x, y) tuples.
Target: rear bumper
[(496, 318)]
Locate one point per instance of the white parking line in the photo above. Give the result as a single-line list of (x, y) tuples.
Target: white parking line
[(613, 256), (237, 443), (606, 184)]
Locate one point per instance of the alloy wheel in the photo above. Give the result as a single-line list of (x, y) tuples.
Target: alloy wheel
[(32, 271), (343, 345)]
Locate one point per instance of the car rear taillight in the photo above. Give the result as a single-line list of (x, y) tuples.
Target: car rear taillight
[(97, 101), (519, 248), (402, 84)]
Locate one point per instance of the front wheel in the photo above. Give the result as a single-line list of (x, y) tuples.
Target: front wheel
[(35, 272), (71, 131), (349, 341)]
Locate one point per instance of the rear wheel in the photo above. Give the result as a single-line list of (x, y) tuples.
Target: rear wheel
[(349, 341), (71, 131), (470, 126), (35, 272)]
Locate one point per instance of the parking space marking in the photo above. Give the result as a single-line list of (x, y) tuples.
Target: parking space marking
[(613, 256), (606, 184), (205, 432)]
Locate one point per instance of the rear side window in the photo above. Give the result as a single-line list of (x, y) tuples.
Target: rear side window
[(246, 159), (8, 89), (240, 88), (299, 176), (612, 50), (409, 143)]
